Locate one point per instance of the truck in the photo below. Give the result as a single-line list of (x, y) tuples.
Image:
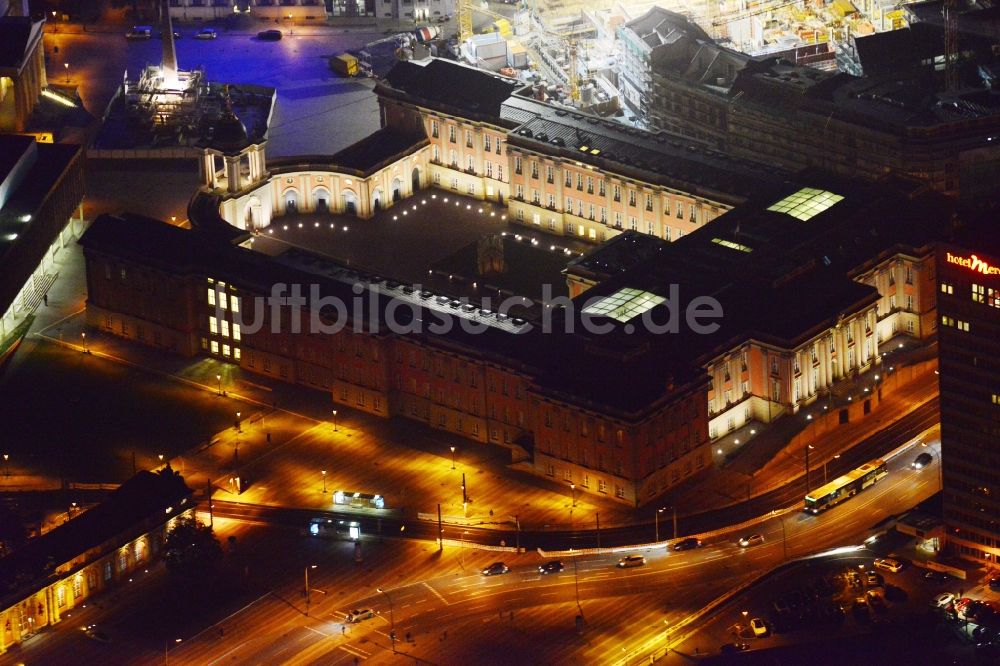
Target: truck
[(426, 34), (344, 64)]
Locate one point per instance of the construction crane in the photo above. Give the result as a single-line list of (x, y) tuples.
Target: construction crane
[(464, 21)]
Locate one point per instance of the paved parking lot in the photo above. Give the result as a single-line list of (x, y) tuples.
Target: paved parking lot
[(832, 609)]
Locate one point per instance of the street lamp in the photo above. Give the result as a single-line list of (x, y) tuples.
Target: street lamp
[(324, 480), (809, 447), (311, 566), (83, 336), (239, 425), (656, 522), (66, 65), (824, 467), (160, 456), (166, 647), (392, 619), (452, 457), (572, 488), (335, 420), (6, 464), (218, 378)]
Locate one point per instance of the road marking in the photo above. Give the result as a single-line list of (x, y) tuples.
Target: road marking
[(437, 594), (317, 631), (215, 661), (357, 652)]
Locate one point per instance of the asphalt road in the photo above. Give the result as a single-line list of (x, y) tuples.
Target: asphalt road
[(696, 577)]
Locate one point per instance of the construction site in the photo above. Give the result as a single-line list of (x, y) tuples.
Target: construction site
[(573, 52)]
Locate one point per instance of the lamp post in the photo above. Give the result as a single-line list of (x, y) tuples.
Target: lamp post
[(160, 456), (218, 378), (323, 472), (6, 464), (311, 566), (809, 447), (656, 522), (66, 65), (83, 337), (335, 420), (239, 424), (572, 488), (166, 648), (824, 467), (392, 619), (452, 457)]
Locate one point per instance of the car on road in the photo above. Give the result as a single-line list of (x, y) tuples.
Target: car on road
[(751, 540), (688, 544), (496, 569), (936, 576), (873, 579), (359, 615), (206, 33), (994, 584), (759, 627), (555, 566), (93, 633), (887, 564), (269, 35), (631, 561), (921, 461), (177, 35)]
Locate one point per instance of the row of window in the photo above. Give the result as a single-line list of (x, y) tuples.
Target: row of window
[(955, 323), (488, 141), (602, 485)]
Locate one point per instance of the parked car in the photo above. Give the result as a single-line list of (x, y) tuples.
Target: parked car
[(631, 561), (93, 633), (359, 615), (177, 35), (994, 584), (921, 461), (872, 579), (688, 544), (206, 33), (759, 627), (140, 32), (734, 647), (751, 540), (555, 566), (269, 35), (887, 564), (496, 569), (936, 576)]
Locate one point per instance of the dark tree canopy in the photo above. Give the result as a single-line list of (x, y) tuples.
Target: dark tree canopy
[(191, 549)]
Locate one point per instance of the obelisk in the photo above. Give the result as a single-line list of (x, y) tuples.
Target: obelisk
[(169, 63)]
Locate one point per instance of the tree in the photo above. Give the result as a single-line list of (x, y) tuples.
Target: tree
[(191, 549)]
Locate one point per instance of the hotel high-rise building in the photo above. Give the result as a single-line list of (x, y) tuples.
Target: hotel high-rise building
[(969, 337)]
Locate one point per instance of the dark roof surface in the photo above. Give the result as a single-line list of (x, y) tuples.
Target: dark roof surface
[(146, 495), (451, 85), (15, 33), (12, 148), (372, 152)]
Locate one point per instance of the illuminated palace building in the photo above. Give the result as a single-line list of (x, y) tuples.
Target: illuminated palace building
[(812, 277), (969, 302)]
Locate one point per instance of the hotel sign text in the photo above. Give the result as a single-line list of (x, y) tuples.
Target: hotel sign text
[(974, 263)]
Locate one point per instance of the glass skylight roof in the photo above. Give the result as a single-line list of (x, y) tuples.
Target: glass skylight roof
[(732, 245), (624, 304), (806, 203)]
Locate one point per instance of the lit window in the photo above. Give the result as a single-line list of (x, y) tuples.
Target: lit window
[(624, 304), (947, 288), (211, 295), (236, 353), (806, 203), (215, 347), (234, 304), (978, 293), (213, 325), (237, 333), (225, 328), (225, 350), (222, 299)]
